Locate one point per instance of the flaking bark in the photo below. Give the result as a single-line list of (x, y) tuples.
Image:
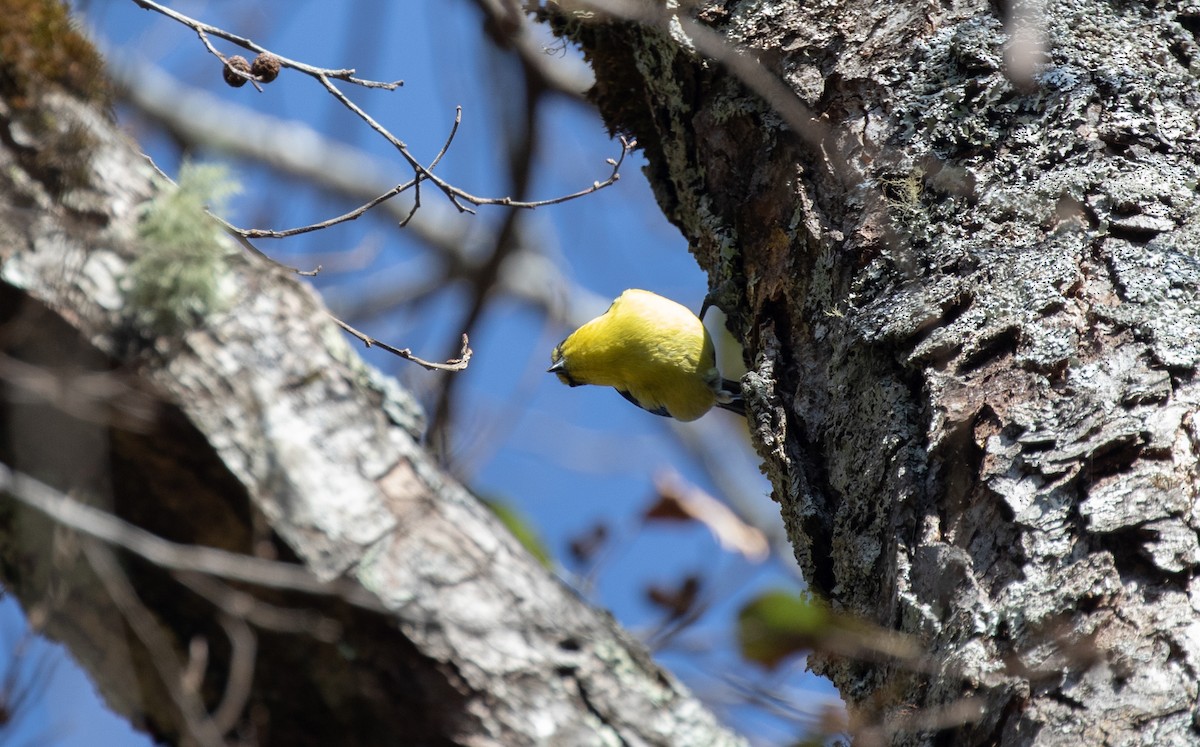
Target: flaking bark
[(972, 308)]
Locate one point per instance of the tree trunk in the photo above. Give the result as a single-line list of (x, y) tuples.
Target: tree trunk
[(959, 243), (254, 430)]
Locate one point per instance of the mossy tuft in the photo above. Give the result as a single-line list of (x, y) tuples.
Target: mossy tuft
[(41, 46), (176, 280)]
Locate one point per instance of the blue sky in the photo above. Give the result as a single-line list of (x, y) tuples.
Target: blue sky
[(567, 458)]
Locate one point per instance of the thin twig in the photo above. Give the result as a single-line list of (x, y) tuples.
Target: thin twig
[(243, 645), (417, 189), (261, 614), (415, 206), (626, 147), (454, 364), (203, 28), (163, 657), (263, 233), (449, 139), (236, 232)]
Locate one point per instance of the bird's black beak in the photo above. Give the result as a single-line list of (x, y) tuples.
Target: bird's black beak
[(559, 368), (556, 360)]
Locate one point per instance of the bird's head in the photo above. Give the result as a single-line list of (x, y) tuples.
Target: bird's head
[(559, 367)]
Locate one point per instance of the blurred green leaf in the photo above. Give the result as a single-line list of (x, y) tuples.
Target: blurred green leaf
[(777, 624)]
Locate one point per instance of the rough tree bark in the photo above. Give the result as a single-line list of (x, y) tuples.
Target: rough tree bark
[(968, 287), (258, 432)]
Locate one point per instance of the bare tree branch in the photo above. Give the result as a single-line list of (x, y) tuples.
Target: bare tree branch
[(172, 556)]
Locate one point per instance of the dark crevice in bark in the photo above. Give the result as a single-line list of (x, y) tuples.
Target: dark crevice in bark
[(1190, 21), (818, 524), (600, 717), (1112, 457), (1000, 344)]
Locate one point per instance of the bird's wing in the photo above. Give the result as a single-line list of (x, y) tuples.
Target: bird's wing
[(661, 410)]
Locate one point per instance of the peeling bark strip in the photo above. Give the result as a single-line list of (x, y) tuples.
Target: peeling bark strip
[(258, 431), (976, 304)]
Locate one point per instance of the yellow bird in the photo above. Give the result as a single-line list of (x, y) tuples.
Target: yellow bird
[(655, 352)]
